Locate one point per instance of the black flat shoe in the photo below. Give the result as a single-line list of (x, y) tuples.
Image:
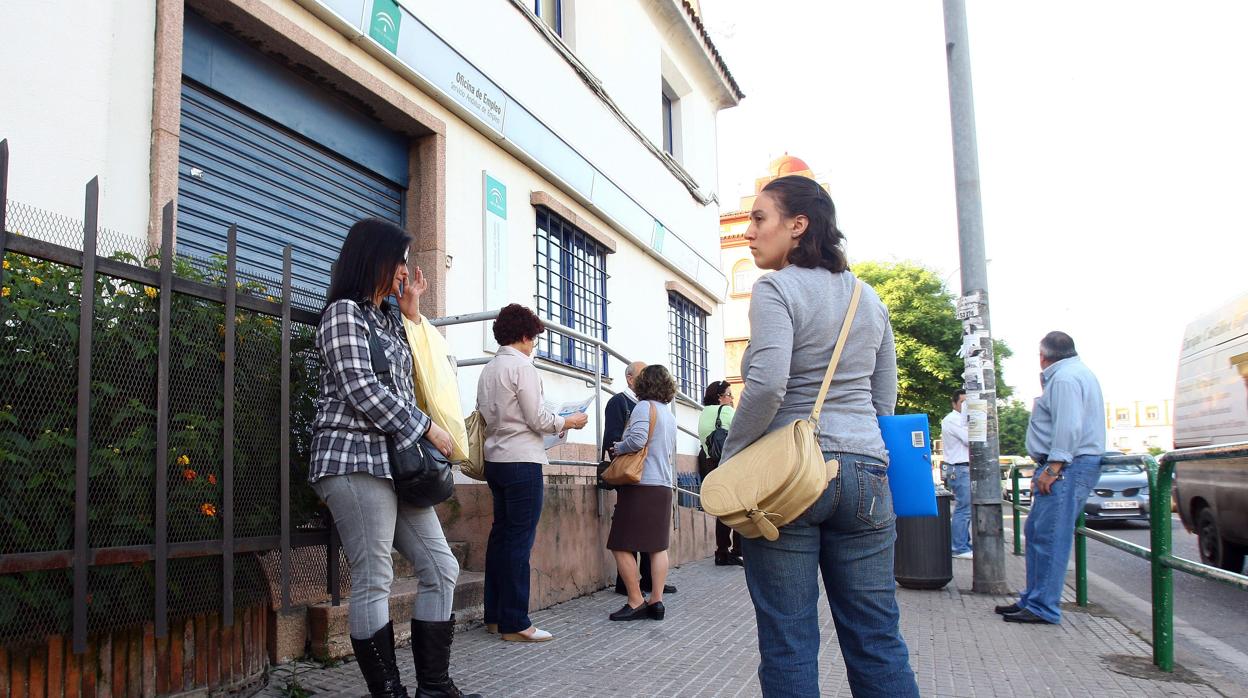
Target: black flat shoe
[(656, 610), (1023, 616), (627, 612), (1006, 610)]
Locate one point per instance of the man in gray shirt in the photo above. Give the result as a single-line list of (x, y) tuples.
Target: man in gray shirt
[(1066, 435)]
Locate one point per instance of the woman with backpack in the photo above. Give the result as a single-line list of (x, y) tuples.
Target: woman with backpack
[(712, 432)]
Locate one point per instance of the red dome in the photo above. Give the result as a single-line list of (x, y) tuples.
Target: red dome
[(787, 164)]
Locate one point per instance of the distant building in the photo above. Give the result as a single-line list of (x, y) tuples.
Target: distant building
[(1134, 426), (738, 265)]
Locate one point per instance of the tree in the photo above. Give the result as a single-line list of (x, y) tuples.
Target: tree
[(928, 336), (1012, 421)]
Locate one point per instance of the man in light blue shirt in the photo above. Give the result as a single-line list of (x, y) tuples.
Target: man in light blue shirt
[(1066, 435)]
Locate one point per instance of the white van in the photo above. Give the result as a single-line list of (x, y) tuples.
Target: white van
[(1211, 408)]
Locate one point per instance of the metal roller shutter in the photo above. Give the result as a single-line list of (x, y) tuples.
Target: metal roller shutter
[(237, 167)]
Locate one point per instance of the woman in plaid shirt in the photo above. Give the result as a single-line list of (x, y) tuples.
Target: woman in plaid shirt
[(350, 468)]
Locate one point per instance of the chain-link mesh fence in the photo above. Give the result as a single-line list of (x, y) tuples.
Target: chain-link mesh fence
[(39, 328)]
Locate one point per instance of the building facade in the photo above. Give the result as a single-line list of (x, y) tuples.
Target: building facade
[(1135, 426), (555, 153), (560, 154), (739, 268)]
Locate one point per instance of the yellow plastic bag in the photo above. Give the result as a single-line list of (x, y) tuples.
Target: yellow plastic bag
[(437, 386)]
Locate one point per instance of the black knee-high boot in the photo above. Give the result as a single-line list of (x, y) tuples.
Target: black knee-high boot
[(431, 648), (376, 659)]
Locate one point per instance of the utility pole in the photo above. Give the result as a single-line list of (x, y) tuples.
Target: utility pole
[(979, 376)]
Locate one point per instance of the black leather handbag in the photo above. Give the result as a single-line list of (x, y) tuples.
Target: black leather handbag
[(422, 475), (716, 439)]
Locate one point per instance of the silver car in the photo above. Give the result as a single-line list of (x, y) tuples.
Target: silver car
[(1121, 493)]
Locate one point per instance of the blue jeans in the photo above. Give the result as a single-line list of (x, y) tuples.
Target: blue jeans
[(848, 534), (960, 483), (1050, 531), (518, 491)]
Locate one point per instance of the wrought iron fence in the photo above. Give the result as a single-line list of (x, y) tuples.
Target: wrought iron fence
[(155, 426)]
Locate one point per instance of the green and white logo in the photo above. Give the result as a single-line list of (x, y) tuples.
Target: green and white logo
[(495, 197), (384, 25)]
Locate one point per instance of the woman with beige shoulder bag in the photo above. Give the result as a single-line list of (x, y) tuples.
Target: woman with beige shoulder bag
[(816, 330)]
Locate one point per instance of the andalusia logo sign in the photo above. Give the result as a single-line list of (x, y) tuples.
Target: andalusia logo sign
[(384, 26)]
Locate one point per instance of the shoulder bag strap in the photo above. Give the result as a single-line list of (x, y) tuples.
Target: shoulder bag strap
[(654, 412), (720, 413), (381, 365), (836, 353)]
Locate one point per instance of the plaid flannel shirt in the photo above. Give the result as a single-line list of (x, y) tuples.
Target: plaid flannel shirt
[(354, 410)]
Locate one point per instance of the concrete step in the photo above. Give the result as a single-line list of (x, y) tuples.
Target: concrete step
[(329, 633), (403, 567)]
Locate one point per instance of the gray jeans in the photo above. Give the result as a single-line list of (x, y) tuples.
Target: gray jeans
[(371, 523)]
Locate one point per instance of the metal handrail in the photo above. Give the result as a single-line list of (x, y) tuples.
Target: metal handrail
[(557, 369), (1161, 559)]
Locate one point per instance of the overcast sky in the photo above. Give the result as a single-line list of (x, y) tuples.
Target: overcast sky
[(1113, 149)]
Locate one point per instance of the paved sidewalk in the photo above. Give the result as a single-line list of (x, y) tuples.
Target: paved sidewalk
[(706, 647)]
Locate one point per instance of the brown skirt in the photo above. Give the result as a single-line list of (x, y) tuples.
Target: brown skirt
[(642, 521)]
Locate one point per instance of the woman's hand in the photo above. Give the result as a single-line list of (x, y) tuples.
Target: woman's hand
[(577, 420), (409, 299), (440, 438)]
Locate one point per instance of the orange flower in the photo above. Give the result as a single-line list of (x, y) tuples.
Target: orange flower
[(188, 474), (212, 479), (207, 509)]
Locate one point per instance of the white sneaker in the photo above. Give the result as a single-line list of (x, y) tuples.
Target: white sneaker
[(968, 555)]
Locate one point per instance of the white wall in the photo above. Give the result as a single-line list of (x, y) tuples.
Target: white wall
[(76, 102), (516, 57)]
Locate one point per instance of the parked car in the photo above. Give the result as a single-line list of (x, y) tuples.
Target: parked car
[(1121, 493), (1026, 468), (1211, 409)]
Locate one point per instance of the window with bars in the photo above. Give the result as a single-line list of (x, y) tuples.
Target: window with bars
[(571, 290), (686, 324)]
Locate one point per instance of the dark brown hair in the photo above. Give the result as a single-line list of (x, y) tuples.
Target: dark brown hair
[(366, 262), (714, 391), (515, 323), (823, 243), (655, 383)]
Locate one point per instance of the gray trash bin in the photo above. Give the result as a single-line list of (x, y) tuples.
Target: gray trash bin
[(922, 557)]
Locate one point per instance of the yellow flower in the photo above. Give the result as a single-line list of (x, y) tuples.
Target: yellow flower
[(150, 291), (6, 266), (184, 460), (36, 281), (4, 292), (116, 451), (121, 292)]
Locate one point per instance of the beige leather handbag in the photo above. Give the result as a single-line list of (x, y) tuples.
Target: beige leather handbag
[(627, 468), (774, 480), (474, 467)]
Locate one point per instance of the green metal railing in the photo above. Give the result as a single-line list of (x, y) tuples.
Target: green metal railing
[(1159, 555)]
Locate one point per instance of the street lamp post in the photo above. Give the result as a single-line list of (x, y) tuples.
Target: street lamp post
[(979, 376)]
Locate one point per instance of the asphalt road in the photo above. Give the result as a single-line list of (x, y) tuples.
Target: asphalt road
[(1214, 609)]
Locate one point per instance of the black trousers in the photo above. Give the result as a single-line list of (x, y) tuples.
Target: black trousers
[(727, 541)]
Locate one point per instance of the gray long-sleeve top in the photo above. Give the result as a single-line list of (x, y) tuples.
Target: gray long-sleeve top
[(795, 316)]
